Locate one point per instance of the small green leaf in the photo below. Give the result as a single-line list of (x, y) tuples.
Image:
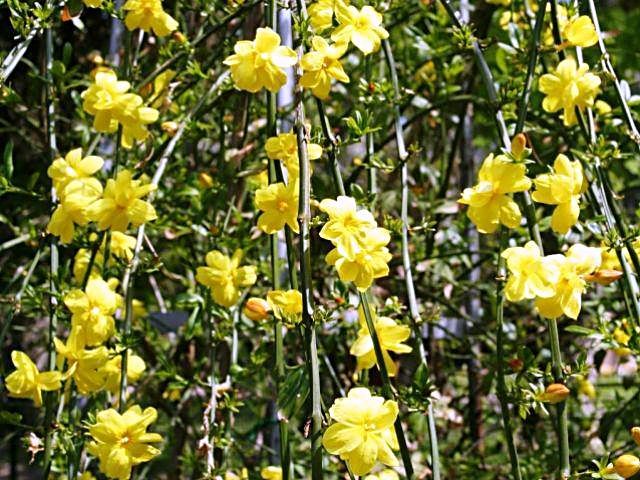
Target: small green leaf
[(7, 161)]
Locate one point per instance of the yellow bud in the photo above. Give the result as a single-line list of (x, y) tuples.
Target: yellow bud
[(179, 37), (635, 433), (586, 388), (604, 276), (256, 309), (627, 465), (95, 57), (205, 180), (170, 128), (519, 147), (555, 393)]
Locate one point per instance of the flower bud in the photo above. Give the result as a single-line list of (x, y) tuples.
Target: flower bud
[(519, 147), (627, 465), (604, 276), (256, 309), (555, 393), (205, 180), (170, 128), (635, 433), (179, 37)]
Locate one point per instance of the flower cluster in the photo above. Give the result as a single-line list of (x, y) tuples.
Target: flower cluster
[(261, 63), (108, 100), (360, 254), (82, 199), (556, 282), (490, 200)]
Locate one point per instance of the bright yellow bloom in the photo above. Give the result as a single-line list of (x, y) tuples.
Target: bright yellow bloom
[(93, 310), (321, 65), (121, 204), (569, 87), (73, 167), (107, 99), (363, 431), (489, 201), (121, 441), (161, 93), (348, 227), (578, 262), (93, 3), (81, 263), (562, 188), (148, 15), (261, 62), (321, 13), (390, 334), (286, 305), (360, 27), (369, 263), (279, 204), (386, 474), (580, 32), (530, 274), (284, 147), (271, 473), (122, 245), (76, 200), (111, 370), (27, 382), (84, 365), (225, 277)]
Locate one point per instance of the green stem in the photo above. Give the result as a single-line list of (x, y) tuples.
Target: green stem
[(501, 386), (406, 257), (304, 220), (531, 67), (561, 410), (334, 150), (53, 259), (387, 390)]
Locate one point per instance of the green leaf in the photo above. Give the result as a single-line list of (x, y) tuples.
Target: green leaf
[(7, 161), (10, 418), (577, 329)]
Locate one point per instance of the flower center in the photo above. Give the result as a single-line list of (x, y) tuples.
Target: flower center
[(282, 206)]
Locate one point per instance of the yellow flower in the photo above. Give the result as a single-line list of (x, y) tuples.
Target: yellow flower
[(27, 382), (369, 263), (161, 91), (321, 13), (627, 465), (139, 310), (504, 3), (73, 167), (148, 15), (562, 188), (578, 262), (386, 474), (121, 441), (580, 32), (530, 274), (286, 305), (569, 87), (390, 334), (321, 65), (279, 204), (363, 431), (261, 62), (121, 204), (284, 147), (489, 201), (84, 365), (81, 263), (360, 27), (122, 245), (74, 208), (93, 310), (347, 227), (93, 3), (271, 473), (225, 277), (256, 309), (111, 370), (107, 100)]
